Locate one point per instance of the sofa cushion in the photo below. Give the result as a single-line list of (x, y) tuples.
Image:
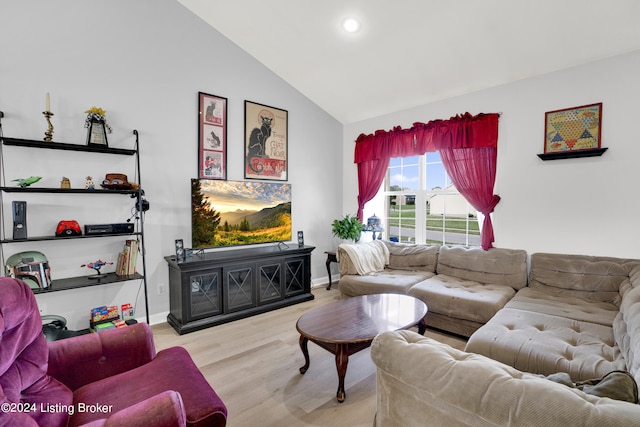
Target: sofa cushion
[(387, 281), (589, 277), (556, 302), (544, 344), (497, 266), (413, 257), (462, 299)]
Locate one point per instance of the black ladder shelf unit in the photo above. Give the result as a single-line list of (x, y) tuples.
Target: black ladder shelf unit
[(81, 281)]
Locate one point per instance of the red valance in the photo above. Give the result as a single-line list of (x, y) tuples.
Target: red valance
[(461, 131)]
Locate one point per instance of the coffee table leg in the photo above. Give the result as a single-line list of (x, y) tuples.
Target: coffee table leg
[(305, 351), (342, 359), (422, 326)]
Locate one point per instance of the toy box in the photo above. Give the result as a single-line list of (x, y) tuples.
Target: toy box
[(127, 311), (100, 314)]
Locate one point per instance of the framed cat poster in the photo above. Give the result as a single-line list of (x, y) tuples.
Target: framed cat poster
[(265, 142), (212, 136)]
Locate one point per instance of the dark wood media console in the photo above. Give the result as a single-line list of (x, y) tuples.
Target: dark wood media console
[(220, 286)]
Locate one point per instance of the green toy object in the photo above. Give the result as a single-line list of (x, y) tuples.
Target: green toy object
[(27, 181)]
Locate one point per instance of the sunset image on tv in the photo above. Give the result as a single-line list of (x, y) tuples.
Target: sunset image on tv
[(228, 213)]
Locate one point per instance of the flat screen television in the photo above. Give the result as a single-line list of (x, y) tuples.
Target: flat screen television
[(230, 213)]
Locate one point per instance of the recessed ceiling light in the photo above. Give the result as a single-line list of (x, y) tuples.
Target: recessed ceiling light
[(351, 25)]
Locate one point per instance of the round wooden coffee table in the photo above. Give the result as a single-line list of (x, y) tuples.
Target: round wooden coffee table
[(347, 326)]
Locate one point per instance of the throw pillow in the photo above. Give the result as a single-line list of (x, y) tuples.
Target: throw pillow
[(618, 385)]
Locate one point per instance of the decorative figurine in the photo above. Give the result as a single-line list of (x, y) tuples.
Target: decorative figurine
[(89, 185), (97, 126), (65, 183), (97, 265), (48, 134), (27, 181)]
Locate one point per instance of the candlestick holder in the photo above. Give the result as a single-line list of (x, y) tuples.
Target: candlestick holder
[(48, 134)]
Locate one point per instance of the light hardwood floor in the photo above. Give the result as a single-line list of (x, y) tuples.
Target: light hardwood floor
[(253, 365)]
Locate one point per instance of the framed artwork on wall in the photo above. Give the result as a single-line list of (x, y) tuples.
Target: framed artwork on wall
[(265, 142), (212, 136), (573, 129)]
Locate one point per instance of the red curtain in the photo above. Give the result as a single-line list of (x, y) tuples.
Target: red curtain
[(473, 172), (464, 132), (370, 177)]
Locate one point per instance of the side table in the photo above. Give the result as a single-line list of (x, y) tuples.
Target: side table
[(331, 257)]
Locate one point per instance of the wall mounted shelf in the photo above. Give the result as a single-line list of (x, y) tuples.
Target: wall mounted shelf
[(83, 236), (83, 282), (596, 152), (64, 190), (68, 147)]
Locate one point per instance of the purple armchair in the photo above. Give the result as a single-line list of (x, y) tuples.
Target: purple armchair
[(109, 379)]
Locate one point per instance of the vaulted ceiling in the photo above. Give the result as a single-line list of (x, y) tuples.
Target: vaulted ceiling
[(412, 52)]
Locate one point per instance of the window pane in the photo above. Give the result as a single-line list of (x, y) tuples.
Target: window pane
[(410, 179), (450, 220), (415, 160), (433, 157), (448, 217), (402, 218), (436, 176), (395, 161), (403, 174)]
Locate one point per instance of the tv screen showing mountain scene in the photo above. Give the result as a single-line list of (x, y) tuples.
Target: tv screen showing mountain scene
[(229, 213)]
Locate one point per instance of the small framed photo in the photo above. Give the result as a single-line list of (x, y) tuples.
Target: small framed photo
[(573, 129), (266, 142), (212, 136)]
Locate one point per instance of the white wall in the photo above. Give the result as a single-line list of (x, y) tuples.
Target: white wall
[(144, 62), (583, 206)]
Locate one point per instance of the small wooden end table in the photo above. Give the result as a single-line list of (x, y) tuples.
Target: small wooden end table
[(347, 326), (331, 257)]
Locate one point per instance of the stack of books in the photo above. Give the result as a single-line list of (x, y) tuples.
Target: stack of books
[(127, 259)]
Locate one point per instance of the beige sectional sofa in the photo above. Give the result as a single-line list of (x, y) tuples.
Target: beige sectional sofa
[(571, 318), (462, 287), (422, 382), (578, 317)]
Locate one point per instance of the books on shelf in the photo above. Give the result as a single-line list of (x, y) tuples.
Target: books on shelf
[(128, 258)]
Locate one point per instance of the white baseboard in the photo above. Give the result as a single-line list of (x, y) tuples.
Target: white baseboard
[(324, 281), (155, 319)]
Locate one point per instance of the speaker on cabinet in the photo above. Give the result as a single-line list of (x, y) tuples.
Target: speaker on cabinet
[(19, 220), (180, 255), (300, 239)]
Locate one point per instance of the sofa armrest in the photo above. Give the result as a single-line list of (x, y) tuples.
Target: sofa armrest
[(162, 410), (345, 262), (87, 358), (422, 379)]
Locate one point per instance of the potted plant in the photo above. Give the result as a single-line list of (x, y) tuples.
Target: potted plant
[(347, 228)]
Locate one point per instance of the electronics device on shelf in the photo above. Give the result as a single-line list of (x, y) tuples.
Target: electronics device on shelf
[(19, 210), (180, 253), (118, 228)]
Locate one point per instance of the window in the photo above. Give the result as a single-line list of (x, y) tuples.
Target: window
[(417, 190)]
